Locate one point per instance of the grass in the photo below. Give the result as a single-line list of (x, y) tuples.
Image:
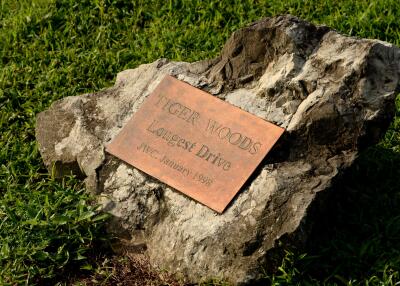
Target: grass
[(52, 49)]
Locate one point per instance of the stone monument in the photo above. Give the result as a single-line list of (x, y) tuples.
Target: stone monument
[(333, 94)]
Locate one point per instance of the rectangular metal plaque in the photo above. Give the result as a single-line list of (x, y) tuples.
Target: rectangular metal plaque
[(196, 143)]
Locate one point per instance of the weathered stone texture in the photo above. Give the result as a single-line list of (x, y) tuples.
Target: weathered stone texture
[(333, 94)]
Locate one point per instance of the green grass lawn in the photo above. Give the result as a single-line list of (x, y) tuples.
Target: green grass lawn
[(52, 49)]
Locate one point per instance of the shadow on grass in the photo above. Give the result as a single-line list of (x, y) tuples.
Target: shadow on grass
[(358, 233)]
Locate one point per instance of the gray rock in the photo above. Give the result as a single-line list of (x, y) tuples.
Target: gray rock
[(333, 94)]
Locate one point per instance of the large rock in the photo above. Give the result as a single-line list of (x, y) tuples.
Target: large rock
[(333, 94)]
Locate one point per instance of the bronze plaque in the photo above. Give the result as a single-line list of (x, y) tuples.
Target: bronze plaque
[(196, 143)]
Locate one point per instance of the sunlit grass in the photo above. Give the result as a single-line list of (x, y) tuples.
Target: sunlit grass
[(53, 49)]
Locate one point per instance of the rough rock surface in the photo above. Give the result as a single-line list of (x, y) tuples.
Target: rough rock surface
[(333, 94)]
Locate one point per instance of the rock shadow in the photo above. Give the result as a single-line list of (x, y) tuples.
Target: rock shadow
[(357, 233)]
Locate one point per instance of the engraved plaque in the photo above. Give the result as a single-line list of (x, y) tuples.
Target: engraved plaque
[(196, 143)]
